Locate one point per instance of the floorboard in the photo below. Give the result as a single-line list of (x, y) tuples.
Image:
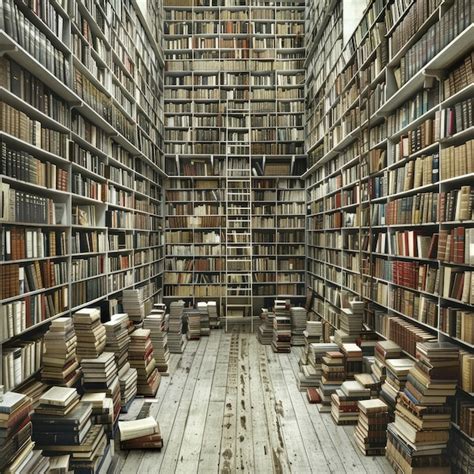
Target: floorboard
[(232, 405)]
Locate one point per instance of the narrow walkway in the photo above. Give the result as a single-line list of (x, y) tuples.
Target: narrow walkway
[(232, 405)]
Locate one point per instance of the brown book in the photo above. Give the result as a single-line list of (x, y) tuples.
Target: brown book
[(313, 395)]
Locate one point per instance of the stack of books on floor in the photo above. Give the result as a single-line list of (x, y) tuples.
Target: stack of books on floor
[(60, 365), (419, 436), (333, 374), (397, 373), (194, 323), (368, 381), (155, 322), (384, 350), (265, 330), (205, 328), (312, 333), (128, 378), (175, 337), (351, 320), (316, 353), (90, 333), (308, 377), (102, 411), (16, 446), (371, 430), (281, 341), (62, 425), (101, 375), (140, 355), (33, 389), (143, 433), (298, 325), (344, 403), (214, 321), (353, 359), (133, 305)]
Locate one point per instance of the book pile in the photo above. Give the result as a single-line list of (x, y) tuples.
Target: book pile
[(265, 330), (419, 436), (371, 430), (205, 328), (155, 322), (384, 350), (143, 433), (117, 337), (141, 357), (33, 389), (62, 425), (60, 365), (102, 411), (59, 464), (194, 324), (281, 341), (101, 375), (298, 325), (312, 333), (369, 382), (333, 374), (353, 356), (214, 321), (308, 377), (175, 337), (133, 305), (16, 446), (128, 385), (90, 333), (397, 372), (351, 319), (344, 408)]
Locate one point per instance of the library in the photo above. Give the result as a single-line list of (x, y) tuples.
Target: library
[(237, 235)]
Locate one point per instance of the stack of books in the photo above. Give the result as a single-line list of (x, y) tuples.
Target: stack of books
[(350, 320), (90, 333), (281, 341), (205, 328), (117, 337), (312, 333), (33, 389), (371, 430), (368, 381), (353, 356), (397, 372), (101, 375), (333, 374), (308, 377), (419, 436), (133, 305), (60, 365), (102, 411), (194, 324), (16, 446), (310, 374), (59, 464), (141, 358), (265, 330), (298, 325), (128, 378), (384, 350), (175, 337), (155, 322), (143, 433), (214, 321), (344, 408)]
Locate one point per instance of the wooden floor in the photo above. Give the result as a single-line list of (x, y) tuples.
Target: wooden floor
[(231, 404)]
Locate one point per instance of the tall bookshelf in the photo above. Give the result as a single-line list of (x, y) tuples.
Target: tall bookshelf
[(388, 152), (234, 85), (86, 197)]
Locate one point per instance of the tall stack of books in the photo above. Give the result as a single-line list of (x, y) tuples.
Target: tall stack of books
[(90, 333), (143, 433), (102, 411), (60, 365), (16, 446), (62, 425), (194, 324), (344, 403), (350, 320), (333, 374), (419, 436), (205, 328), (397, 373), (281, 341), (312, 333), (175, 337), (141, 358), (133, 305), (155, 322), (384, 350), (371, 430), (101, 375), (353, 357), (298, 325), (214, 321), (265, 330)]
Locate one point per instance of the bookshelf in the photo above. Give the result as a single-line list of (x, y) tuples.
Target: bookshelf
[(234, 99), (81, 164), (385, 217)]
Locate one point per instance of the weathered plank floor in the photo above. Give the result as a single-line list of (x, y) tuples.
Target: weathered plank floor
[(231, 404)]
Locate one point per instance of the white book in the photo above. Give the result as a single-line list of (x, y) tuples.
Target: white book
[(137, 428), (58, 396)]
